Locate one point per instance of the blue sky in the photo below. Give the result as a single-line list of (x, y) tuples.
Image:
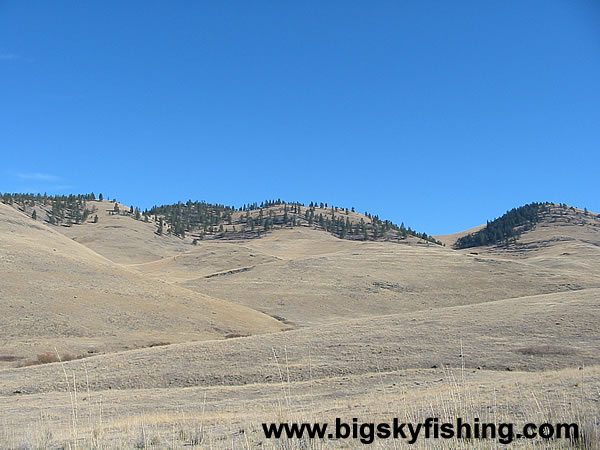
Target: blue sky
[(439, 114)]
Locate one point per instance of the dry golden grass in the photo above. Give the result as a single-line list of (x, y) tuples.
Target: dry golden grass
[(122, 239), (58, 293), (385, 330), (230, 417), (344, 279), (492, 339)]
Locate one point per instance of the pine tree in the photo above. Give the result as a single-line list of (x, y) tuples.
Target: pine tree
[(34, 215)]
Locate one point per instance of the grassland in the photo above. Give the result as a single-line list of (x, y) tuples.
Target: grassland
[(297, 325)]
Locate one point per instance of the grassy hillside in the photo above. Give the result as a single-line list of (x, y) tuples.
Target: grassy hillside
[(549, 331), (308, 277), (56, 292), (470, 361)]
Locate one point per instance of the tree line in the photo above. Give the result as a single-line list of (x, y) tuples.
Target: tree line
[(59, 209), (202, 220), (506, 228)]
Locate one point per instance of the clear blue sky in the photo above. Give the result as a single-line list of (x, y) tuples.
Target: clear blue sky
[(439, 114)]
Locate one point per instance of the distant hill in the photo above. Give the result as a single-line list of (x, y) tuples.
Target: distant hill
[(518, 228), (505, 228), (201, 220)]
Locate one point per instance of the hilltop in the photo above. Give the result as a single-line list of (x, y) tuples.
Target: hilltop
[(201, 220), (509, 228)]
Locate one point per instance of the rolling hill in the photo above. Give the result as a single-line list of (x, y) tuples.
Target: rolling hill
[(388, 326), (58, 293)]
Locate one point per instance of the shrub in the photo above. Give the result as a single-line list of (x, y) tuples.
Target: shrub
[(50, 357)]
